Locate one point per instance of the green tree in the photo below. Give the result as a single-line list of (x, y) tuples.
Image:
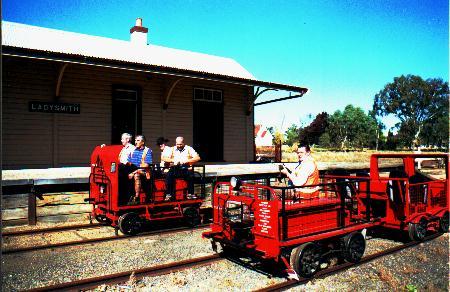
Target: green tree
[(379, 137), (325, 140), (351, 128), (435, 132), (392, 141), (291, 135), (416, 103)]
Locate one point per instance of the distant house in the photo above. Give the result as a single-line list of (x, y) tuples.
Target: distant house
[(262, 136), (64, 93)]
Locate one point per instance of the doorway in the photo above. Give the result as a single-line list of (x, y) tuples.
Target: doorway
[(126, 112), (208, 124)]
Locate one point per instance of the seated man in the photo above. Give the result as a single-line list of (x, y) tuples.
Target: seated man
[(140, 159), (127, 148), (166, 152), (306, 173), (182, 158)]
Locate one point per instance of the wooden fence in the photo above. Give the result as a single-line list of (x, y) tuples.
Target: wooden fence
[(30, 201)]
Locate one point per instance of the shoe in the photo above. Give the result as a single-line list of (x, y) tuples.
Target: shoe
[(190, 196), (168, 197)]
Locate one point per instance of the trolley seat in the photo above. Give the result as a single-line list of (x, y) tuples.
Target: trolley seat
[(160, 189)]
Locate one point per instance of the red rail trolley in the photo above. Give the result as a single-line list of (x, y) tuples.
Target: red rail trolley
[(411, 196), (110, 191), (274, 223)]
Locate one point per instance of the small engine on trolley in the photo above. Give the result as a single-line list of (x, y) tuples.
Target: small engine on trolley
[(111, 193), (275, 223)]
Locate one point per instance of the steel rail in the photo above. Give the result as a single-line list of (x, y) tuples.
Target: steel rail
[(333, 270), (125, 276), (51, 229), (100, 239)]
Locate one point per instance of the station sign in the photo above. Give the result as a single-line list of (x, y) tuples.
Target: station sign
[(54, 107)]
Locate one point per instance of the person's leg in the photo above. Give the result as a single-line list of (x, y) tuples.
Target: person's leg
[(189, 176), (170, 180), (130, 186), (137, 185)]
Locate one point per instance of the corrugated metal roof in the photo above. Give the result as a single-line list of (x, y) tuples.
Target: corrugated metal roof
[(58, 41)]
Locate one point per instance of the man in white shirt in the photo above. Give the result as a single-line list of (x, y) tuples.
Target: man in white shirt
[(182, 156), (127, 149), (306, 173), (124, 167)]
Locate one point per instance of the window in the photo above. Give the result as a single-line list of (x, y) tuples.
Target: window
[(210, 95)]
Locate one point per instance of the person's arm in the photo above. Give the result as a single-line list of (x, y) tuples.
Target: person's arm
[(148, 159), (299, 178), (166, 155), (195, 157)]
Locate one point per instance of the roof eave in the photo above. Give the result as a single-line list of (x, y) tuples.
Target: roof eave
[(132, 66)]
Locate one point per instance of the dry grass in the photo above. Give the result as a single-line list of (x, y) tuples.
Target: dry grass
[(332, 156), (337, 156)]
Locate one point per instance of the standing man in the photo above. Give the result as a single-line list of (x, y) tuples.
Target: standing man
[(306, 173), (182, 157), (140, 159)]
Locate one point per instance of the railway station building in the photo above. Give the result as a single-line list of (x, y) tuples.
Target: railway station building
[(64, 93)]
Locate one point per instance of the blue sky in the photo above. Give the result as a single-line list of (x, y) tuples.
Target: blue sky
[(343, 51)]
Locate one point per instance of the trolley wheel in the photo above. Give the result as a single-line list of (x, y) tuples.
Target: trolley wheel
[(305, 259), (130, 223), (226, 250), (443, 223), (418, 231), (102, 219), (191, 216), (354, 247)]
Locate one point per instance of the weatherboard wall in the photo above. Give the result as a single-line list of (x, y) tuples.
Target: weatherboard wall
[(39, 140)]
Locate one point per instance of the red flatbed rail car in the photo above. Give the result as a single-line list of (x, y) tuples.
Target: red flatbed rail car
[(110, 191), (272, 223)]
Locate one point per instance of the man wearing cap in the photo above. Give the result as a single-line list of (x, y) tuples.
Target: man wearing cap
[(166, 151)]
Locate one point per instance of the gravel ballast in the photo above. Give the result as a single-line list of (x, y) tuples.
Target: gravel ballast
[(424, 267)]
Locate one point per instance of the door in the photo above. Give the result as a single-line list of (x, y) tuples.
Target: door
[(208, 124), (126, 112)]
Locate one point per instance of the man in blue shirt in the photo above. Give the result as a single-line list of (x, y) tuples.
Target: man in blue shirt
[(140, 158)]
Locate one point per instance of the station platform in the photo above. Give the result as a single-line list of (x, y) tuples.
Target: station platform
[(67, 175)]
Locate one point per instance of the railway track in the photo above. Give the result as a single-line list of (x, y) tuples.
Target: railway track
[(125, 276), (51, 229), (333, 270), (100, 239)]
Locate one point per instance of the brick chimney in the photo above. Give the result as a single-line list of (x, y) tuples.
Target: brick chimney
[(138, 33)]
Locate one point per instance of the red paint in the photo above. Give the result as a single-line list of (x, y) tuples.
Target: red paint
[(104, 191), (268, 228)]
